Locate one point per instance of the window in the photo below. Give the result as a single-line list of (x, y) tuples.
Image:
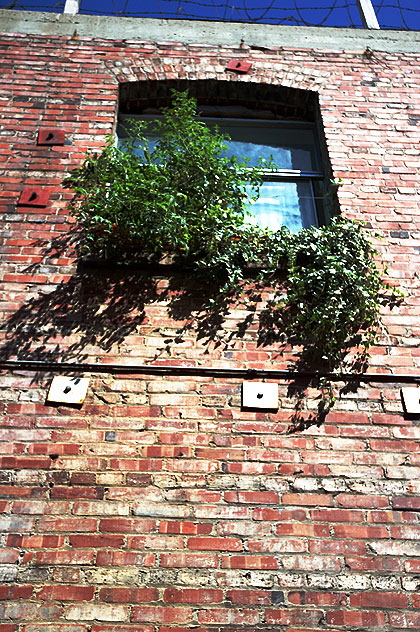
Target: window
[(289, 195), (294, 194)]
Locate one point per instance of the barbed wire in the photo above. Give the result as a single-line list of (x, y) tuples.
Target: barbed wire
[(391, 14)]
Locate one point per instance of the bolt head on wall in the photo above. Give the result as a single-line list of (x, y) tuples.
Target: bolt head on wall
[(51, 136), (34, 196), (239, 66)]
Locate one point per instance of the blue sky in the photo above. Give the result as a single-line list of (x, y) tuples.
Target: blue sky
[(396, 14)]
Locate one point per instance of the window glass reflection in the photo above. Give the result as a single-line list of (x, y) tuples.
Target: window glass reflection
[(288, 204)]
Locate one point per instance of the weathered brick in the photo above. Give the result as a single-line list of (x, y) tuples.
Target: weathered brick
[(408, 620), (160, 614), (289, 616), (214, 544), (64, 557), (189, 560), (227, 616), (191, 595), (98, 612), (356, 618), (128, 595), (251, 597)]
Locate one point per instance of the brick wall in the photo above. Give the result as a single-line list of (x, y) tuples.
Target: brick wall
[(160, 505)]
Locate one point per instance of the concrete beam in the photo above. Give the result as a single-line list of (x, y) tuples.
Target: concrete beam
[(204, 32)]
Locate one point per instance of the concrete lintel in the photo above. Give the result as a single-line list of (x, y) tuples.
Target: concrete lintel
[(204, 32)]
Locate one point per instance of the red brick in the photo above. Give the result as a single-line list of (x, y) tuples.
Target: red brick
[(356, 618), (277, 545), (34, 196), (305, 530), (67, 524), (214, 544), (311, 500), (124, 558), (271, 514), (337, 546), (24, 611), (192, 595), (155, 542), (318, 598), (122, 628), (337, 515), (66, 593), (136, 465), (126, 525), (391, 564), (36, 541), (250, 561), (96, 541), (11, 593), (77, 492), (256, 498), (357, 532), (362, 501), (379, 600), (412, 566), (14, 463), (394, 446), (9, 556), (311, 562), (187, 528), (404, 503), (128, 595)]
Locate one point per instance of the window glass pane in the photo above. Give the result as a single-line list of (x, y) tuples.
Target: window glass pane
[(288, 204), (290, 148)]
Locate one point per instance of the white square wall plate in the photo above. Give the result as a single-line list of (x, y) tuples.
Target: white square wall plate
[(68, 390), (260, 395)]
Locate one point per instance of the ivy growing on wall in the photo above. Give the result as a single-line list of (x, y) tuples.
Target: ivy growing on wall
[(186, 198)]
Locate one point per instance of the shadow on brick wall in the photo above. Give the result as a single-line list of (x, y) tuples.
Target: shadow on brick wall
[(105, 310)]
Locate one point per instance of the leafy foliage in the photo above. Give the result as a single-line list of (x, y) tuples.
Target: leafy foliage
[(187, 198), (183, 196), (333, 288)]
